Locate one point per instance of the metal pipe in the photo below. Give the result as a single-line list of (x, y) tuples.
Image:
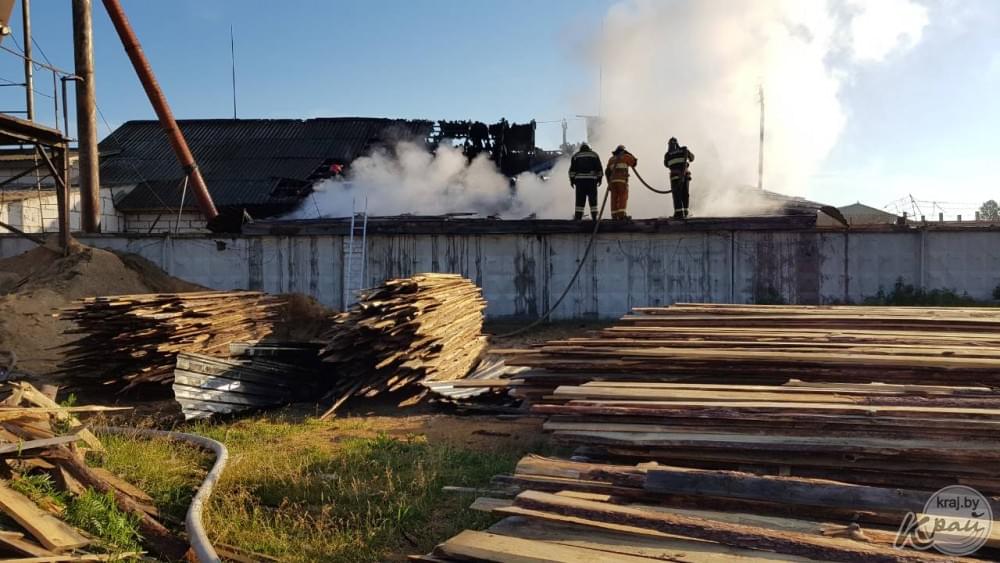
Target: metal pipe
[(197, 536), (86, 117), (62, 193), (29, 69), (159, 103)]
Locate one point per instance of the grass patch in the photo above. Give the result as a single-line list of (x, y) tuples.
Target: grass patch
[(904, 294), (165, 470), (98, 514), (344, 490)]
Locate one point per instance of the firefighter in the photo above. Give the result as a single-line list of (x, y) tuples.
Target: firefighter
[(677, 159), (585, 177), (617, 172)]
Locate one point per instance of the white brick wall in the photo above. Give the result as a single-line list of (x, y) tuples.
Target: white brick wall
[(187, 222), (41, 214)]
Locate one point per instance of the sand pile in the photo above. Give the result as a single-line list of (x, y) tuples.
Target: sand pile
[(34, 284)]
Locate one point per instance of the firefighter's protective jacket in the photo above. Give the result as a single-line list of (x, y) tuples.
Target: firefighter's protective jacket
[(585, 169), (618, 165)]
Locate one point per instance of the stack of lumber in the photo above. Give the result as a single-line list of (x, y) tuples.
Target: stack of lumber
[(760, 433), (875, 434), (134, 339), (771, 344), (571, 511), (38, 437), (407, 331)]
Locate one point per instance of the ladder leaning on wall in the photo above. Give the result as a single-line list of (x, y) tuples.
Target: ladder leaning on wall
[(355, 276)]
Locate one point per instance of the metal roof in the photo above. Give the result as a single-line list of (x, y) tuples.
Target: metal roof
[(241, 159)]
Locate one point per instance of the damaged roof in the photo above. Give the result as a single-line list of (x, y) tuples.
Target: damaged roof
[(242, 160)]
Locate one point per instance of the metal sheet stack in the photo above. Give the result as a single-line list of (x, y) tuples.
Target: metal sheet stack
[(134, 339), (423, 328), (713, 433)]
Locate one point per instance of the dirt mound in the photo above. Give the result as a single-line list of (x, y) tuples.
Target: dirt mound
[(34, 284), (303, 318)]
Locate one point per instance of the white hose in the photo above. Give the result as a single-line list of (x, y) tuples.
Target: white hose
[(192, 521)]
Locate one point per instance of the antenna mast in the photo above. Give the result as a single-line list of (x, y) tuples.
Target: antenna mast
[(760, 152), (232, 55)]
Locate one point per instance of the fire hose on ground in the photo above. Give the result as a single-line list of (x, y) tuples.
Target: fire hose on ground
[(197, 537), (583, 260)]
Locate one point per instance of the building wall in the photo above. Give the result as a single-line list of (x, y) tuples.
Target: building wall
[(522, 275), (186, 222), (40, 214)]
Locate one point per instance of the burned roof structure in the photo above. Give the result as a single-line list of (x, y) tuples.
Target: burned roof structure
[(264, 166)]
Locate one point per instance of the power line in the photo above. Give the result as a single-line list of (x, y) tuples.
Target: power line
[(112, 134)]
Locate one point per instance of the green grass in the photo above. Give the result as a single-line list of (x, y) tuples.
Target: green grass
[(904, 294), (321, 491)]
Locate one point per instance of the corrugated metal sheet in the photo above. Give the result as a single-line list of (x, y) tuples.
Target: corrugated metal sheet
[(240, 159)]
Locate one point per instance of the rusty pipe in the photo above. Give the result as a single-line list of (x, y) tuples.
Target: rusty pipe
[(159, 102)]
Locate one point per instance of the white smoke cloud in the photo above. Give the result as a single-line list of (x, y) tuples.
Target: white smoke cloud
[(692, 70), (880, 27), (412, 180), (689, 69)]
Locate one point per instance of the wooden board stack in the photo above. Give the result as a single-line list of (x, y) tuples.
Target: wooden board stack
[(714, 433), (38, 437), (770, 344), (424, 328), (134, 339), (571, 511)]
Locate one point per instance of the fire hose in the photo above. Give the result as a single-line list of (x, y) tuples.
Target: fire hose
[(650, 188), (197, 537), (576, 274)]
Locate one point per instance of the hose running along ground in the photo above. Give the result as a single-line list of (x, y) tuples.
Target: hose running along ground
[(192, 521)]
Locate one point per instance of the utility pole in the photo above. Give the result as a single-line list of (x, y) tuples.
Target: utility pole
[(760, 152), (29, 70), (232, 55), (86, 118)]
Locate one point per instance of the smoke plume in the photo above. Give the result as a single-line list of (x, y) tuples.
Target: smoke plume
[(691, 70), (686, 68)]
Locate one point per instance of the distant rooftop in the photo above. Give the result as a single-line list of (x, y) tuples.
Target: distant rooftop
[(247, 163)]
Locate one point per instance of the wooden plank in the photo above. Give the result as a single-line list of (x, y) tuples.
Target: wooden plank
[(51, 532), (485, 546), (34, 396), (15, 542), (660, 546), (737, 535), (791, 490)]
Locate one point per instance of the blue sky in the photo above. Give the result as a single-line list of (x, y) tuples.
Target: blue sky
[(925, 122)]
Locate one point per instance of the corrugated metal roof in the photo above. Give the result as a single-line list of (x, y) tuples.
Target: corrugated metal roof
[(240, 159)]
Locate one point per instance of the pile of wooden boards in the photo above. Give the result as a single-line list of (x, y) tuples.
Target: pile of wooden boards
[(770, 344), (924, 437), (806, 470), (572, 511), (423, 328), (39, 437), (134, 339), (760, 433)]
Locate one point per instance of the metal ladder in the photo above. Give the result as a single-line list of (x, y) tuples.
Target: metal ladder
[(352, 290)]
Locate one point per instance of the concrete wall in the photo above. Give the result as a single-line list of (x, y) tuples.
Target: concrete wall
[(522, 275)]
